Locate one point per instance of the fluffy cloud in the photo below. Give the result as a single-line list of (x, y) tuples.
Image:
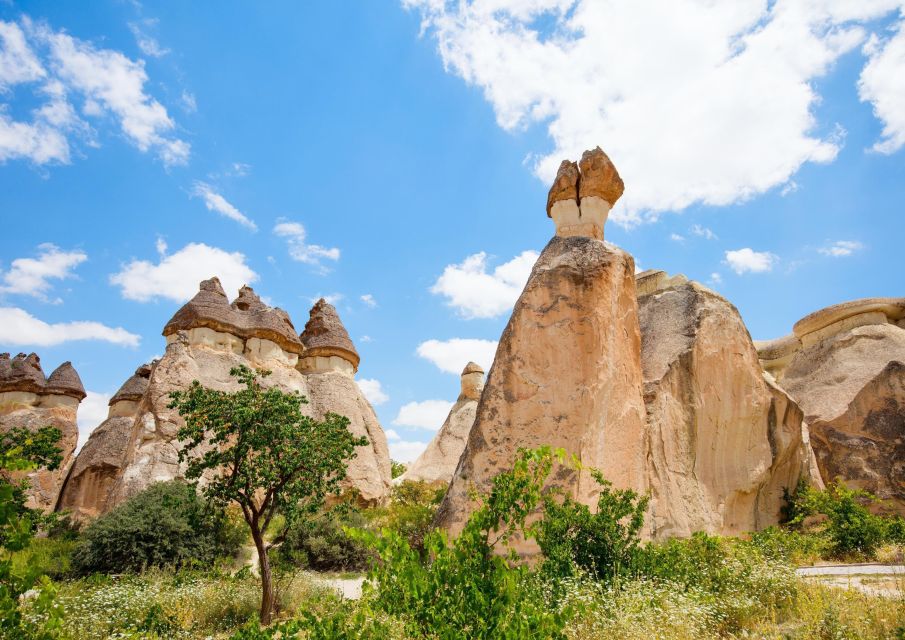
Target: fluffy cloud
[(215, 202), (749, 261), (294, 233), (369, 300), (107, 82), (475, 293), (841, 248), (176, 276), (373, 391), (18, 327), (881, 84), (406, 450), (714, 112), (452, 355), (92, 411), (31, 276), (427, 414)]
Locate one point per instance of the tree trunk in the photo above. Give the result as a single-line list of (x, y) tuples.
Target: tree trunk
[(266, 578)]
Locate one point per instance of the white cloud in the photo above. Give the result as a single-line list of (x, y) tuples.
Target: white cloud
[(369, 300), (299, 250), (881, 84), (675, 237), (475, 293), (716, 278), (148, 44), (452, 355), (406, 450), (189, 104), (841, 248), (92, 411), (714, 112), (703, 232), (18, 327), (176, 276), (332, 298), (427, 414), (373, 391), (749, 261), (31, 276), (108, 82), (392, 434), (367, 339), (215, 202)]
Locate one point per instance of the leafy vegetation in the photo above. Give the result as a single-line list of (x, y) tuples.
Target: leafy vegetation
[(262, 453)]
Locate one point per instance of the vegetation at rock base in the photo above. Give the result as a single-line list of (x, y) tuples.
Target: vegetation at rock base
[(263, 454)]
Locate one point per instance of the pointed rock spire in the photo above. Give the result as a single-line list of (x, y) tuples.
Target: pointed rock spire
[(65, 381), (133, 388), (325, 335), (22, 373)]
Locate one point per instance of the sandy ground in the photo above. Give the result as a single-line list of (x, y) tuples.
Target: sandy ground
[(874, 579)]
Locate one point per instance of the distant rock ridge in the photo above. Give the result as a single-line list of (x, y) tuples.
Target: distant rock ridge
[(437, 463), (30, 400)]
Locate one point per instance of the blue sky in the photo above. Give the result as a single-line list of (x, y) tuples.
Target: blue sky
[(396, 157)]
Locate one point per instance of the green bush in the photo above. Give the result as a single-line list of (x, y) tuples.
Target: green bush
[(397, 469), (321, 542), (410, 511), (790, 545), (165, 525), (602, 544)]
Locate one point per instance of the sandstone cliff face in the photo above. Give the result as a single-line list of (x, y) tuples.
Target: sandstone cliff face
[(438, 462), (100, 463), (724, 441), (31, 401), (137, 446), (848, 375), (567, 371)]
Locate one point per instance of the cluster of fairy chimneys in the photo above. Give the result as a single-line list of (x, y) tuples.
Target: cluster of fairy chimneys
[(23, 374), (324, 344), (583, 194)]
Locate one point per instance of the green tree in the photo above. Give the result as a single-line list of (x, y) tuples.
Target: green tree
[(23, 450), (254, 447)]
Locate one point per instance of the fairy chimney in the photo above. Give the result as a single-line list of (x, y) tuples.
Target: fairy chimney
[(328, 346), (583, 194)]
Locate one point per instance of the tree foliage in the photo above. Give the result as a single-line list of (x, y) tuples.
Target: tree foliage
[(256, 448)]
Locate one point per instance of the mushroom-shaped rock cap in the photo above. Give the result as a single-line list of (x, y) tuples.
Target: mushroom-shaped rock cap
[(565, 186), (65, 381), (133, 388), (472, 367), (325, 335), (893, 308), (247, 317), (599, 177), (22, 373)]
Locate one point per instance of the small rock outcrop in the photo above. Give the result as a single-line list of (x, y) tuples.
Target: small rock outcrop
[(99, 465), (29, 400), (845, 366), (438, 462), (330, 362), (724, 440), (567, 371)]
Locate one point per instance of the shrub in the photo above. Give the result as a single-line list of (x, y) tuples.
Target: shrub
[(397, 469), (792, 546), (321, 542), (165, 525), (851, 528), (410, 511), (602, 544)]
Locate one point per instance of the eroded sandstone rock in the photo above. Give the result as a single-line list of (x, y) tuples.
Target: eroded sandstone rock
[(567, 373), (29, 400), (724, 440), (437, 463), (583, 194)]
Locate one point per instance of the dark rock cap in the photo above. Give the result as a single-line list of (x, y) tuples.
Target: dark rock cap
[(247, 317), (65, 381), (565, 185), (133, 388), (472, 367), (325, 334)]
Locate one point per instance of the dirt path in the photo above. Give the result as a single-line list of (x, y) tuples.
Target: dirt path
[(874, 579)]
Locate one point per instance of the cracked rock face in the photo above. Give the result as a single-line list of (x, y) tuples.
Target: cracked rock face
[(567, 373), (31, 401), (724, 440), (851, 386)]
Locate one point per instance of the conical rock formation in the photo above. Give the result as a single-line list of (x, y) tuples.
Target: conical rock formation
[(31, 401), (438, 461)]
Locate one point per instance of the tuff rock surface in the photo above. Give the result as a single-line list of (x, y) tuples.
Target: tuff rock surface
[(438, 462), (848, 375), (724, 440), (31, 401)]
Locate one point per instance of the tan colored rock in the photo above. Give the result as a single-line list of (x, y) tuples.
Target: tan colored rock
[(850, 382), (775, 355), (567, 373), (325, 336), (31, 401), (437, 463), (599, 177), (582, 195), (724, 441), (99, 465), (565, 186)]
